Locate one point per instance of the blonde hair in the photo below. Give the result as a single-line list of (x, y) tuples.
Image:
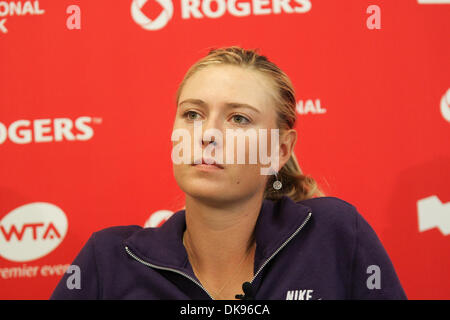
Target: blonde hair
[(296, 185)]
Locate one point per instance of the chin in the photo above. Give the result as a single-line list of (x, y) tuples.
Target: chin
[(205, 189), (213, 199)]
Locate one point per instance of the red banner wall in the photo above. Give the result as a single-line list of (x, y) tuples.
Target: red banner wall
[(87, 107)]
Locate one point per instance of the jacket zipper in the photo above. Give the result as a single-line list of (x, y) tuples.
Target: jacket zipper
[(164, 268), (199, 284), (282, 246)]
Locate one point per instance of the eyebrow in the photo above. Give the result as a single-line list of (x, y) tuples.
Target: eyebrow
[(232, 105)]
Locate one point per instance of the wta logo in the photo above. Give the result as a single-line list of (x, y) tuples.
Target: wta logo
[(445, 106), (214, 9), (32, 231)]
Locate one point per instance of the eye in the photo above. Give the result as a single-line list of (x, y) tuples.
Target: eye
[(241, 119), (190, 115)]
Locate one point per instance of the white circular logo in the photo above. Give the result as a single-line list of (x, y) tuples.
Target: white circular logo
[(445, 105), (32, 231), (141, 19), (157, 218)]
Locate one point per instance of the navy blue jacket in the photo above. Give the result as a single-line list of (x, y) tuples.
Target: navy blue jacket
[(319, 248)]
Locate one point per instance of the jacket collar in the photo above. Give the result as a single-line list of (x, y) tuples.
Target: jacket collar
[(163, 246)]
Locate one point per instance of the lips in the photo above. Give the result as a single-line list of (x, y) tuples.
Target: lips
[(210, 162)]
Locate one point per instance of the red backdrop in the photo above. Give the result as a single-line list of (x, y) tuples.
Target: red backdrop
[(86, 117)]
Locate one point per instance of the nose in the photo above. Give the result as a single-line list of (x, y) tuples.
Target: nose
[(211, 128), (213, 142)]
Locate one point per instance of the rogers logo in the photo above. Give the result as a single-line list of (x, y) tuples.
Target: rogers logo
[(213, 9), (48, 130), (32, 231), (141, 19)]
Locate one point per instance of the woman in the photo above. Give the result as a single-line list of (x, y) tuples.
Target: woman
[(276, 233)]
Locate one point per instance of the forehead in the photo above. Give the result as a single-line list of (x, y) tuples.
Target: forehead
[(216, 84)]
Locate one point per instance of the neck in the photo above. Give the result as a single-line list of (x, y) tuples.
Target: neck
[(220, 236)]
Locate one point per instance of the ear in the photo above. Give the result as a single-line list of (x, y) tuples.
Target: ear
[(287, 144)]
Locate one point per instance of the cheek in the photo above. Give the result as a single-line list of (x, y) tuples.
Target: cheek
[(182, 172), (245, 148), (246, 176), (177, 172)]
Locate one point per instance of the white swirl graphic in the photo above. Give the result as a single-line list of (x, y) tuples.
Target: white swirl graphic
[(141, 19)]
